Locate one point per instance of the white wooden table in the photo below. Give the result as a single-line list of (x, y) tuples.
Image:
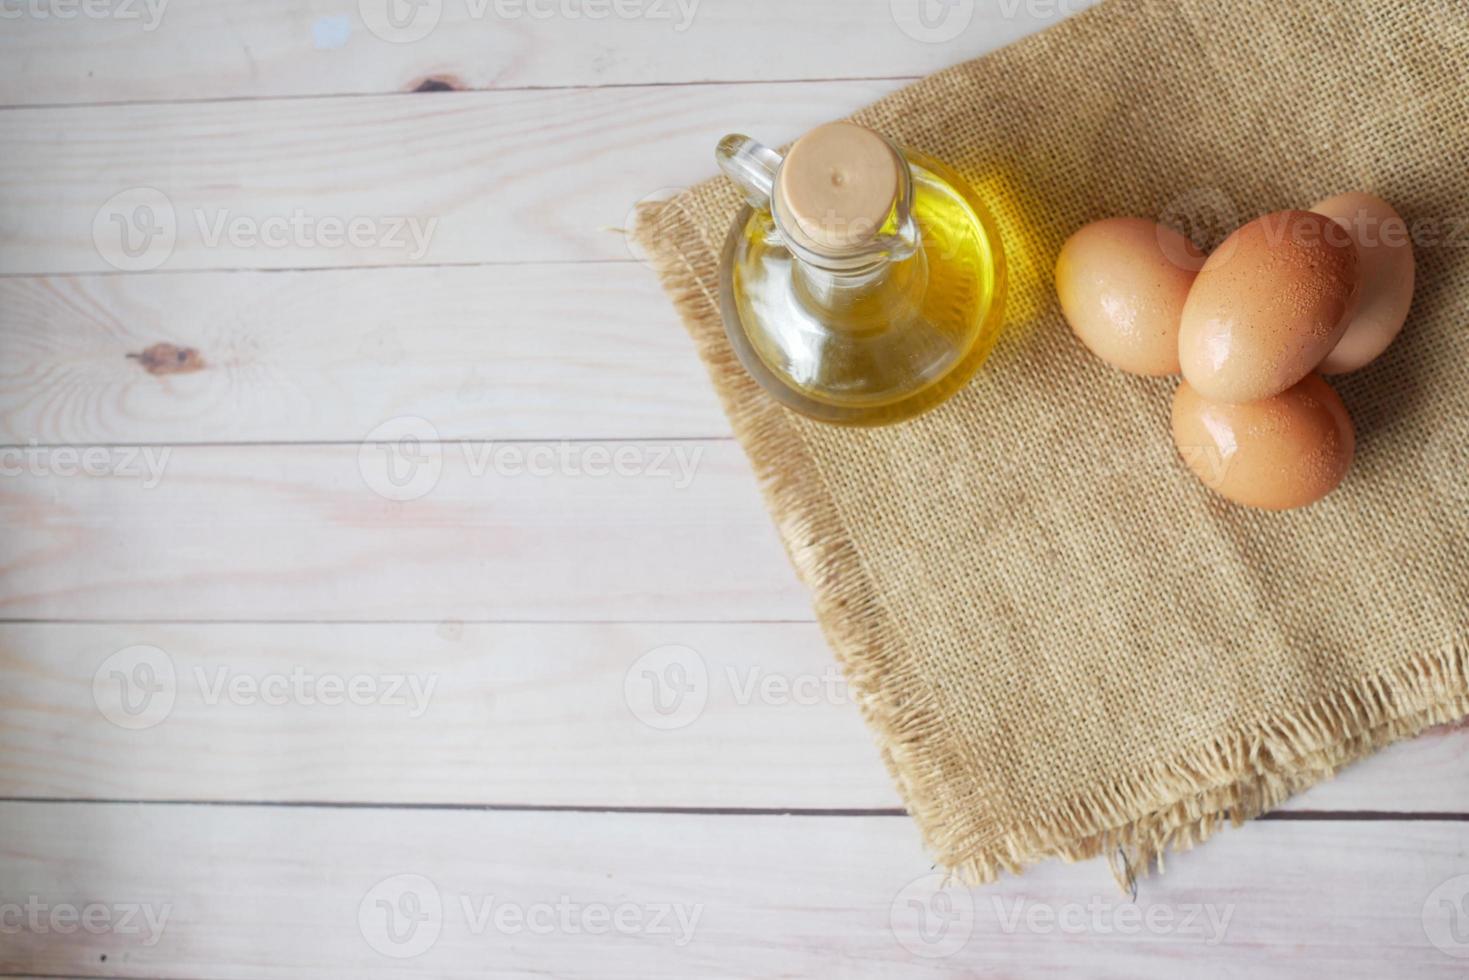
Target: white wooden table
[(382, 592)]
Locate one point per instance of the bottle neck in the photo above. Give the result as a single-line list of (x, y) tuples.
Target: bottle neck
[(864, 223), (879, 295), (842, 205)]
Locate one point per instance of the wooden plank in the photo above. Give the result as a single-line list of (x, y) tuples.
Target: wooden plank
[(447, 713), (523, 352), (398, 528), (474, 177), (457, 713), (251, 893), (211, 49)]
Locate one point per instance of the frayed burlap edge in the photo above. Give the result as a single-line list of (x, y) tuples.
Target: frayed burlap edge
[(1170, 806)]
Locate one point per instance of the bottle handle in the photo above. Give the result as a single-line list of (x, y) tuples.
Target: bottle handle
[(751, 165)]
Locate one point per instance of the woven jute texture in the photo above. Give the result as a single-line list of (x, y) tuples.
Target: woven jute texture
[(1065, 645)]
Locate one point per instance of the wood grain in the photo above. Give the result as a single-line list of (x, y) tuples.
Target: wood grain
[(456, 713), (542, 531), (258, 893), (212, 49), (502, 352), (475, 177)]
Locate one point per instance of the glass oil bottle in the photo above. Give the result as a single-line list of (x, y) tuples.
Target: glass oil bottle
[(863, 284)]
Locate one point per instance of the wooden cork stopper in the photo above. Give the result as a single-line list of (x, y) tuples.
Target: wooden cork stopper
[(837, 186)]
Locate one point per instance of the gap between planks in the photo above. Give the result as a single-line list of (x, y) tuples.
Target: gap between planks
[(1295, 816), (479, 90), (268, 270), (359, 443)]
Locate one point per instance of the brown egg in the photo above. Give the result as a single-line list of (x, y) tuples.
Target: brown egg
[(1388, 268), (1122, 284), (1282, 452), (1268, 306)]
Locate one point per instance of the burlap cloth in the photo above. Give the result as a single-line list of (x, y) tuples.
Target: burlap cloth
[(1065, 645)]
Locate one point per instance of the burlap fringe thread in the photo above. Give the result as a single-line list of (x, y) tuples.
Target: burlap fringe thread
[(1168, 807)]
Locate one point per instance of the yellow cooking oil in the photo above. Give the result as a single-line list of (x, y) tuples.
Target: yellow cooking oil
[(880, 344)]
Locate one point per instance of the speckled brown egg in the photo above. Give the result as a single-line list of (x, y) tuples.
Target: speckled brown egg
[(1385, 249), (1122, 284), (1268, 306), (1279, 453)]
